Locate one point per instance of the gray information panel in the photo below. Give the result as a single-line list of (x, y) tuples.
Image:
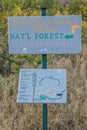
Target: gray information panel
[(42, 86), (45, 34)]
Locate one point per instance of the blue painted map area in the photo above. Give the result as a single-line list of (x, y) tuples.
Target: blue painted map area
[(45, 86)]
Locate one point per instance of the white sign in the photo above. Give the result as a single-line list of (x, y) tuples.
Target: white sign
[(42, 86), (45, 34)]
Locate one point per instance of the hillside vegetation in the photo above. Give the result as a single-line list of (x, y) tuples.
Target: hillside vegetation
[(70, 116)]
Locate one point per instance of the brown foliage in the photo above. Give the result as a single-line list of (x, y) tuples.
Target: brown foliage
[(70, 116)]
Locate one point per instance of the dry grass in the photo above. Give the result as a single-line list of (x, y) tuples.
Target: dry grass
[(71, 116)]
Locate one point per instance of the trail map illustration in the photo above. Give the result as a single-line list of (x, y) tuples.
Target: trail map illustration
[(42, 86)]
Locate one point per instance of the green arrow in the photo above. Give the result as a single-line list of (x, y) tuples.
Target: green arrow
[(69, 36)]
